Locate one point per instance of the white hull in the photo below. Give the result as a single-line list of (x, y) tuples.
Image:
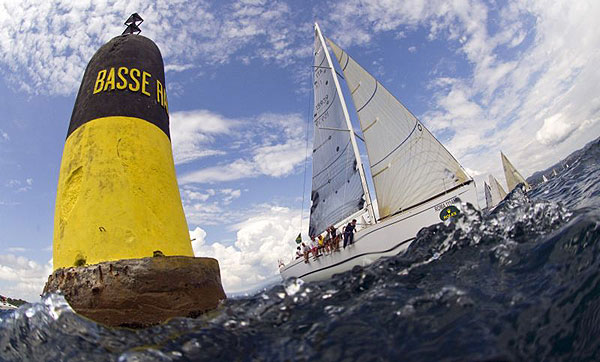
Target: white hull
[(6, 306), (390, 237)]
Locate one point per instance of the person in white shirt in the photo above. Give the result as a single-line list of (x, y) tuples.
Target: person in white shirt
[(305, 251)]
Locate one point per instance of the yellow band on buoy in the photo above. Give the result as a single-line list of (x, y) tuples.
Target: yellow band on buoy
[(117, 192)]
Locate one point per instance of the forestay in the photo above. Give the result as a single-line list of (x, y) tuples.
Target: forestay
[(336, 187), (408, 164)]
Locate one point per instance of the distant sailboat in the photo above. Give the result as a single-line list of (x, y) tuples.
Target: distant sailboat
[(544, 178), (5, 305), (513, 177), (497, 192), (554, 173), (417, 181), (488, 195)]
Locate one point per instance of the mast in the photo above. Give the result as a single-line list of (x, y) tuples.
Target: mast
[(361, 170)]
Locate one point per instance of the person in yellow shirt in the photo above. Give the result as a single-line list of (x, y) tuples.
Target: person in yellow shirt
[(321, 244)]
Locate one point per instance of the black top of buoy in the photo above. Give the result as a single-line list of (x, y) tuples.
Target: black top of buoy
[(115, 64)]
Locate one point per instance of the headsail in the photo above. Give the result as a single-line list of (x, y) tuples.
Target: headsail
[(337, 191), (497, 192), (513, 177), (409, 165), (488, 195)]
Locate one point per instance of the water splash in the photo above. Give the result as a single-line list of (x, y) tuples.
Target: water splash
[(521, 282)]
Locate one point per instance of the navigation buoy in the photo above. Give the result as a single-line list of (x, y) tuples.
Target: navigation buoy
[(117, 196)]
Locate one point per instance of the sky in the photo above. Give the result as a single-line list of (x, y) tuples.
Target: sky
[(483, 76)]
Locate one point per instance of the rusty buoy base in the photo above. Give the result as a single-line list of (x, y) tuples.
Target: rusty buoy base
[(140, 292)]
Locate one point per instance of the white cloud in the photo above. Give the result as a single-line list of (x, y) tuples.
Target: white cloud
[(208, 213), (22, 278), (279, 160), (177, 67), (16, 250), (412, 49), (554, 130), (230, 195), (16, 184), (274, 145), (192, 132), (188, 193), (46, 45), (4, 136), (232, 171), (209, 206), (13, 183), (261, 241)]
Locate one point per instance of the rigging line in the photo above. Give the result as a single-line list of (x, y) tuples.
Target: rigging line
[(308, 114)]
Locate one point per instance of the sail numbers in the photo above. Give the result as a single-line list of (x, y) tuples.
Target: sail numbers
[(446, 204)]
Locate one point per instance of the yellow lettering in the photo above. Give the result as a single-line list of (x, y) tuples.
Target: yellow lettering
[(99, 81), (110, 80), (145, 82), (165, 101), (133, 76), (159, 92), (123, 84)]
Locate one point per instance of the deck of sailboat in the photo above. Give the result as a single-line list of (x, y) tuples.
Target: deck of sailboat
[(389, 237)]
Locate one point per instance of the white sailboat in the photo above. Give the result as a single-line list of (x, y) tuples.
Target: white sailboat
[(497, 192), (417, 181), (5, 305), (544, 179), (513, 177), (488, 195)]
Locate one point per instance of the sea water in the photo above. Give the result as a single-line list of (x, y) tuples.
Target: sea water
[(521, 282)]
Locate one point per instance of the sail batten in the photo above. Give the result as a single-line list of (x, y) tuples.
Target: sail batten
[(407, 162)]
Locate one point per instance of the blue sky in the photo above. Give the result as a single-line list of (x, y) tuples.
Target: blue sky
[(484, 76)]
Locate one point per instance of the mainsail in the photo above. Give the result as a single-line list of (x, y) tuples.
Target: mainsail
[(513, 177), (497, 192), (408, 164), (488, 195), (337, 191)]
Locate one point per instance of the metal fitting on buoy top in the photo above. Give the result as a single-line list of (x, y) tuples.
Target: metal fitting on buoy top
[(117, 192)]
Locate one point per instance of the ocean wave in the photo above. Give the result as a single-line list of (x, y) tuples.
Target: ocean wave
[(520, 282)]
